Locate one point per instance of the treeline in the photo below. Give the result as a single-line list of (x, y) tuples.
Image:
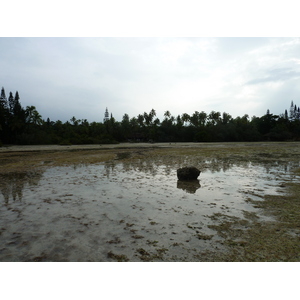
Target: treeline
[(20, 125)]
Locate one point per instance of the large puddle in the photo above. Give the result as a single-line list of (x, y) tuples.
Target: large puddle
[(135, 210)]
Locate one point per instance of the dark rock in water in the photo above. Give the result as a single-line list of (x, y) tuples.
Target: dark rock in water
[(188, 173)]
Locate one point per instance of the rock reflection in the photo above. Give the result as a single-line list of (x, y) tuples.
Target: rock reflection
[(12, 184), (189, 186)]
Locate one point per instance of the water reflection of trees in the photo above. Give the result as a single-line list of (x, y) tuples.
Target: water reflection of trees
[(148, 166), (166, 165), (281, 166), (13, 184)]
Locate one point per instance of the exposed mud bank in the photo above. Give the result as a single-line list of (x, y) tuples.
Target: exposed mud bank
[(126, 204)]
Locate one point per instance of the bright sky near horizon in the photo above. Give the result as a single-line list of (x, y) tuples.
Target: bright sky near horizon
[(81, 76)]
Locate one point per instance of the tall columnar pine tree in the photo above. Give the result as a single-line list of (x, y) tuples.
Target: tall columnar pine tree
[(3, 96), (286, 116), (298, 114), (3, 103), (2, 110), (292, 113), (11, 103), (17, 98)]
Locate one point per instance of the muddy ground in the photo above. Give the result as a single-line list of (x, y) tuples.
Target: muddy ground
[(124, 203)]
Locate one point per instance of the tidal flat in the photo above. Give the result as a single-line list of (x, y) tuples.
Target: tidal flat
[(123, 202)]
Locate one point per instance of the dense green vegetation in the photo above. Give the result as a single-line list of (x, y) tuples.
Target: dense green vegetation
[(20, 125)]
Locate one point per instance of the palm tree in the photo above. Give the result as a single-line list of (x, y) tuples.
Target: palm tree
[(74, 121), (140, 120), (214, 117), (185, 118), (37, 118), (33, 116), (226, 118), (167, 114)]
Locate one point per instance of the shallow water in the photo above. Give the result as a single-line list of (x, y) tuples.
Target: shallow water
[(135, 210)]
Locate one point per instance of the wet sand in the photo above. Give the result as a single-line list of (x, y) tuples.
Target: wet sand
[(124, 202), (25, 148), (29, 148)]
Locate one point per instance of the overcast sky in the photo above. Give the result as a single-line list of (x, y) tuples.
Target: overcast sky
[(65, 77)]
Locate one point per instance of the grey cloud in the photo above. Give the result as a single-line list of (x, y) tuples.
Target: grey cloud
[(280, 74)]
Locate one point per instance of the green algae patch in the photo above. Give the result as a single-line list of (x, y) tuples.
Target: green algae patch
[(117, 257)]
